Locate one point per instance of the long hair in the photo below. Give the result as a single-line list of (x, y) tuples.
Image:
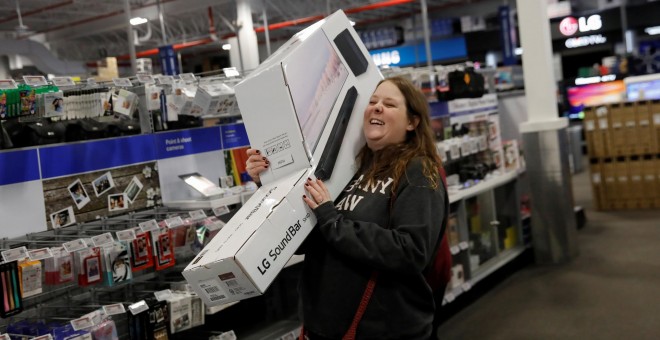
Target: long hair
[(392, 160)]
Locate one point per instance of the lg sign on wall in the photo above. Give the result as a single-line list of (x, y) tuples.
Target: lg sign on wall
[(570, 26)]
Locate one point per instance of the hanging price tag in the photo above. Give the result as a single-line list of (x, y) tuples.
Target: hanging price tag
[(138, 307), (75, 245), (222, 210), (197, 215), (7, 84), (122, 82), (126, 235), (187, 77), (165, 80), (40, 254), (150, 225), (163, 295), (35, 80), (63, 81), (14, 254), (115, 309), (102, 239), (174, 222), (82, 323)]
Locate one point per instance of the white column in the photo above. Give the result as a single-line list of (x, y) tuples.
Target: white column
[(247, 37), (129, 32), (540, 85)]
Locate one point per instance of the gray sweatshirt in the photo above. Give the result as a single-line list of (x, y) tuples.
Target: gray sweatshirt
[(359, 235)]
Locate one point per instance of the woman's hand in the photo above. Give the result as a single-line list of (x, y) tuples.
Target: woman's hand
[(256, 164), (317, 193)]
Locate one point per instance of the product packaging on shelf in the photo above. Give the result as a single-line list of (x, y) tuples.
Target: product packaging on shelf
[(141, 251), (303, 109), (30, 277), (11, 290), (117, 263), (163, 248), (59, 268)]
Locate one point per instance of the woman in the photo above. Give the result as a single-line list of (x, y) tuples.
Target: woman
[(383, 228)]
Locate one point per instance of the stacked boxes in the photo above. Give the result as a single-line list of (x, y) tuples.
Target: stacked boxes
[(623, 140)]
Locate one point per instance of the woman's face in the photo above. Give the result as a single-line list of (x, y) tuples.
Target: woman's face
[(385, 119)]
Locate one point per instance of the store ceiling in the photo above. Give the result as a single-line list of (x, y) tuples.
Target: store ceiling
[(87, 29)]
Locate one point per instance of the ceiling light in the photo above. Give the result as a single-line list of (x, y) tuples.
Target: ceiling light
[(138, 21), (652, 30), (352, 23), (226, 47)]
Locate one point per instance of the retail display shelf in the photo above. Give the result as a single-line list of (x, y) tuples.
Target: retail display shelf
[(485, 270), (210, 203), (488, 184), (217, 309)]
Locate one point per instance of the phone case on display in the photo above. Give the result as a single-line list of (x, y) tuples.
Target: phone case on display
[(12, 301), (30, 278), (85, 129), (117, 263), (141, 252)]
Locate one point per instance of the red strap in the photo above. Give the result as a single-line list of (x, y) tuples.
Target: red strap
[(350, 334)]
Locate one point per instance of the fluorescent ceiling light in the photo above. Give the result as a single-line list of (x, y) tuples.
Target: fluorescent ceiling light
[(655, 30), (226, 47), (138, 21)]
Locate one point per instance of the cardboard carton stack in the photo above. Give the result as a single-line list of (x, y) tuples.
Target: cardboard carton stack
[(303, 109), (623, 142)]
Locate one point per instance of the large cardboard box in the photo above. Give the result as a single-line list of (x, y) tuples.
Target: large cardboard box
[(598, 188), (622, 184), (602, 140), (636, 197), (315, 86), (611, 189), (590, 130), (655, 120), (629, 118), (645, 142), (303, 109), (617, 130)]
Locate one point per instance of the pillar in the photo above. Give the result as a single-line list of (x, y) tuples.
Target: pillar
[(545, 140), (244, 54)]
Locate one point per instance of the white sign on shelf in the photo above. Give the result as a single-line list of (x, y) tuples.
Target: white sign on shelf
[(450, 297), (221, 210), (187, 77), (126, 235), (197, 214), (174, 222), (138, 307), (102, 239), (91, 82), (63, 81), (163, 295), (14, 254), (35, 80), (466, 286), (75, 245), (165, 80), (44, 337), (82, 323), (230, 72), (145, 78), (150, 225), (85, 336), (40, 254), (7, 84), (115, 309), (122, 82)]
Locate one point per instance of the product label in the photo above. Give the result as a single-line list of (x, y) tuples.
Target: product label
[(197, 214), (165, 80), (82, 323), (91, 82), (602, 124), (163, 295), (466, 286), (115, 309), (631, 124), (187, 77), (174, 222), (14, 254), (150, 225), (450, 297), (590, 125), (617, 125), (595, 178), (483, 143), (213, 290), (35, 80), (221, 210), (145, 78), (275, 252), (644, 122), (122, 82), (138, 307), (623, 178), (656, 119), (126, 235), (7, 84), (102, 239), (63, 81), (454, 151), (86, 336), (40, 254), (74, 245), (636, 178)]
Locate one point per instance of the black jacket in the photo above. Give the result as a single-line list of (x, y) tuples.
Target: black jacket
[(359, 235)]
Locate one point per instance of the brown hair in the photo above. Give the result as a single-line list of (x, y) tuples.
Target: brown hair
[(392, 160)]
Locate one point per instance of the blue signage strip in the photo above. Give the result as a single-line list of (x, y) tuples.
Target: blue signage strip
[(19, 166), (507, 36), (234, 136), (72, 159), (169, 60), (445, 49), (187, 142)]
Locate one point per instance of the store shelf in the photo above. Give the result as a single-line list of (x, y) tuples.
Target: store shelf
[(485, 270), (210, 203), (485, 185)]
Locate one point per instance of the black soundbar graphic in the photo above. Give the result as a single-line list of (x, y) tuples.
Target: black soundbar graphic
[(331, 150), (351, 52)]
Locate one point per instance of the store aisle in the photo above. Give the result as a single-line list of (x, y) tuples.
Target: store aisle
[(611, 291)]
